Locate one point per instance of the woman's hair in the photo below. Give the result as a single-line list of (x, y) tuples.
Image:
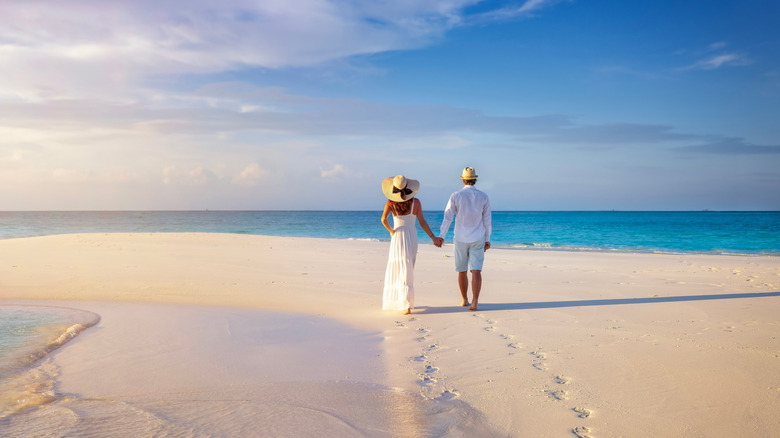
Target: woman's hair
[(401, 208)]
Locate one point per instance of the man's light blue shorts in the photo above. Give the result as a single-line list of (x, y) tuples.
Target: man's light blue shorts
[(469, 255)]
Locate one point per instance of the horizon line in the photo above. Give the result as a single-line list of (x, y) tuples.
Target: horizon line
[(373, 210)]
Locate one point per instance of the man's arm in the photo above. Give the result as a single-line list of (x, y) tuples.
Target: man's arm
[(487, 221), (449, 214)]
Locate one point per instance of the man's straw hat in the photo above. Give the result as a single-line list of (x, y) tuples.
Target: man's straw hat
[(469, 174)]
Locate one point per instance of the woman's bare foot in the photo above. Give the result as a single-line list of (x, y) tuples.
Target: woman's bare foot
[(408, 311), (473, 307), (464, 303)]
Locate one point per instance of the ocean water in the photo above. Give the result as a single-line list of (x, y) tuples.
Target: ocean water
[(674, 232), (27, 335)]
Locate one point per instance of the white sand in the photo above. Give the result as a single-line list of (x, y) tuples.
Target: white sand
[(229, 334)]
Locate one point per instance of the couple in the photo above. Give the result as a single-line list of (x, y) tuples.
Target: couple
[(471, 210)]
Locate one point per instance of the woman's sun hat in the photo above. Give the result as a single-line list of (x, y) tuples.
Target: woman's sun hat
[(400, 188), (469, 174)]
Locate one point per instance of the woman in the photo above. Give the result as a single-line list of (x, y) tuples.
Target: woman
[(399, 278)]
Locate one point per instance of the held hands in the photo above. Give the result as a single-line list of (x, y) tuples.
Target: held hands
[(437, 241)]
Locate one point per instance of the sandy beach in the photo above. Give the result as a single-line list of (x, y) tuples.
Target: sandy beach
[(238, 335)]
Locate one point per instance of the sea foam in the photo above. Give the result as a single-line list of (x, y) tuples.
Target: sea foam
[(27, 335)]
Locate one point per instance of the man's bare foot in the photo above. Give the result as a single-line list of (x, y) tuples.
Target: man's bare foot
[(473, 307), (464, 303), (407, 311)]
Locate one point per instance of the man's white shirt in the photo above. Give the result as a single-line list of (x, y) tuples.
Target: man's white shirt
[(473, 221)]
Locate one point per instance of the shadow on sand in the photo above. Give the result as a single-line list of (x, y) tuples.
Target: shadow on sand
[(487, 307)]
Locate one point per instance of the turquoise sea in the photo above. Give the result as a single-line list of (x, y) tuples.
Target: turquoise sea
[(674, 232)]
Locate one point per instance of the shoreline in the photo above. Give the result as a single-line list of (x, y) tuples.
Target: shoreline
[(206, 361), (512, 246), (563, 341)]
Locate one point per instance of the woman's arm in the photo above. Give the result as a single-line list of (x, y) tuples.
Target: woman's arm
[(385, 214), (417, 210)]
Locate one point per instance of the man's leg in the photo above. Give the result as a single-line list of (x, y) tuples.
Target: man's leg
[(476, 258), (463, 283), (462, 268), (476, 287)]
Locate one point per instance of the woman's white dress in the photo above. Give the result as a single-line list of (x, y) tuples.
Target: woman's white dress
[(399, 277)]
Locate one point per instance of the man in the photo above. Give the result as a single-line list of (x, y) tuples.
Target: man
[(471, 210)]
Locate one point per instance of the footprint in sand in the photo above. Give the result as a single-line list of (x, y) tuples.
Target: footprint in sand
[(426, 380), (583, 412), (558, 394), (447, 395), (562, 380), (425, 336), (514, 345), (506, 337), (421, 358), (582, 432), (490, 327), (539, 360), (430, 369), (400, 324)]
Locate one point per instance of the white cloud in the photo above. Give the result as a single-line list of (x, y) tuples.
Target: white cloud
[(64, 49), (532, 5), (57, 49), (527, 8), (251, 175), (722, 60), (201, 176), (169, 174), (715, 56), (334, 172)]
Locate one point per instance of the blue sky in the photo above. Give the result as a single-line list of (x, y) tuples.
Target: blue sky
[(309, 104)]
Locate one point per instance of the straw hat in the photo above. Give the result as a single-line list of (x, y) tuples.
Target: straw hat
[(468, 173), (400, 188)]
